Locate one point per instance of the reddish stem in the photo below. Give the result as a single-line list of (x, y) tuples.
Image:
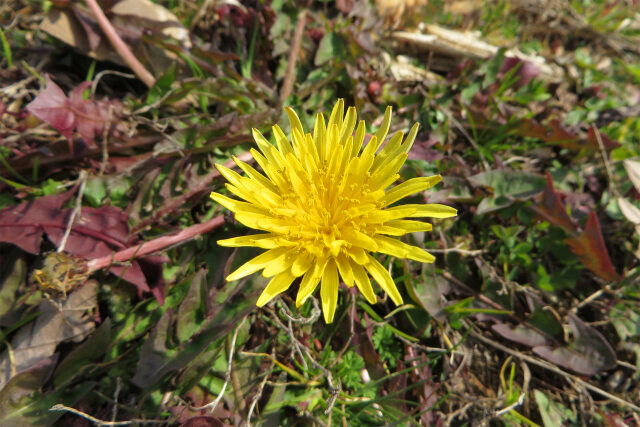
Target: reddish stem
[(120, 46), (155, 245)]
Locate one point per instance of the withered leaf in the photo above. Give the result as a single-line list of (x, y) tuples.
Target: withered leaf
[(70, 319), (588, 353), (88, 117)]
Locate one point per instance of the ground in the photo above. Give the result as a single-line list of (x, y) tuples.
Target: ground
[(114, 308)]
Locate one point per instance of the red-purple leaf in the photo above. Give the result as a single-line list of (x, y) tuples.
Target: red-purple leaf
[(588, 354), (588, 244), (96, 232), (23, 225), (525, 73), (590, 248), (552, 209), (88, 116), (52, 106), (202, 421), (521, 334)]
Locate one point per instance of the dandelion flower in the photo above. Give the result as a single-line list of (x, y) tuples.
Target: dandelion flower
[(324, 203)]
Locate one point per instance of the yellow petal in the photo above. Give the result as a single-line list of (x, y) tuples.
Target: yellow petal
[(277, 285), (359, 139), (384, 128), (280, 264), (310, 281), (294, 120), (357, 238), (408, 188), (390, 150), (359, 255), (363, 283), (236, 205), (329, 291), (399, 249), (302, 263), (347, 125), (265, 241), (337, 114), (429, 210), (256, 263), (281, 140), (319, 133), (254, 174), (399, 227), (408, 143), (382, 276), (380, 178), (344, 266)]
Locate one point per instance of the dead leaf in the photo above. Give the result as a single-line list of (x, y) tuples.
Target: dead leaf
[(96, 232), (70, 319), (23, 224), (76, 26), (588, 354), (629, 210), (552, 209), (633, 170), (589, 246), (65, 115)]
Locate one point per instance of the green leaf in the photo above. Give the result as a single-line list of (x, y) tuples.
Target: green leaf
[(22, 404), (553, 414), (191, 311), (331, 47), (13, 273), (507, 186), (95, 191)]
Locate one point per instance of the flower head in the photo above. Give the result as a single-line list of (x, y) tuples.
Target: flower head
[(324, 204)]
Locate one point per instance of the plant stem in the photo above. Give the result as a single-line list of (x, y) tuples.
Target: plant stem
[(120, 46), (155, 245)]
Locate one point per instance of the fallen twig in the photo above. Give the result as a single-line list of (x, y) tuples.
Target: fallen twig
[(155, 245), (120, 46)]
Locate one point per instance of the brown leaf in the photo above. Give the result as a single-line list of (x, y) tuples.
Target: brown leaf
[(202, 421), (592, 251), (588, 354), (589, 244), (67, 320), (95, 233), (552, 209), (23, 224), (88, 116), (556, 133)]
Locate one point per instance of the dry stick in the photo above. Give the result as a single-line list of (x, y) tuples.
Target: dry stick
[(75, 212), (290, 74), (178, 201), (605, 159), (553, 368), (227, 376), (120, 46), (98, 422), (155, 245)]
